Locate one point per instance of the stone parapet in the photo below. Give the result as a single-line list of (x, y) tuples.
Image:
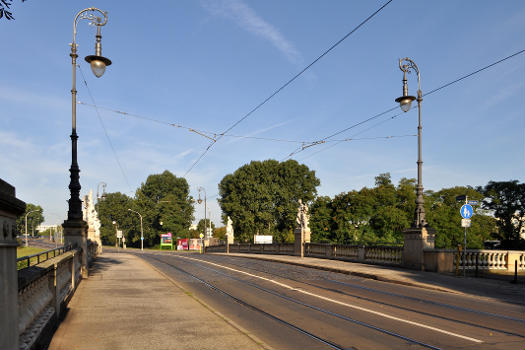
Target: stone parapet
[(10, 208)]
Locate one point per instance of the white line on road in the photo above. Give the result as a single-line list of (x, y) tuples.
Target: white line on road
[(340, 302)]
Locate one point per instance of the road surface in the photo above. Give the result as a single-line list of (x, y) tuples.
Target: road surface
[(293, 307)]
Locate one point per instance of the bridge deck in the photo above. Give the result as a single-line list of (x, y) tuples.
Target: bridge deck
[(126, 304)]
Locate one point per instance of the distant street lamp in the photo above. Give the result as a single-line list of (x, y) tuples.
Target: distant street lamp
[(103, 195), (405, 101), (32, 211), (200, 188), (117, 239), (141, 230), (98, 66)]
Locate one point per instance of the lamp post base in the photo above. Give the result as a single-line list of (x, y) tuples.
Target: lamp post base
[(75, 234), (417, 239)]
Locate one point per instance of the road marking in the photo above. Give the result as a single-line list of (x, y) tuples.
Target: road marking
[(341, 303)]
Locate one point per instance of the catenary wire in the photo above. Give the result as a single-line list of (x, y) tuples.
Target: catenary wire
[(104, 128), (253, 110), (211, 134), (298, 150)]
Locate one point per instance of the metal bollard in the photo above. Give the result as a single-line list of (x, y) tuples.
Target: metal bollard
[(515, 272), (477, 257)]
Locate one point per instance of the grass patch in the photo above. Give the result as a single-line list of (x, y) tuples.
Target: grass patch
[(25, 251)]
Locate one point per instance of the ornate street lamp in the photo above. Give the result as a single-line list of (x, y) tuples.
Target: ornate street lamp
[(200, 188), (98, 66), (405, 102), (75, 227), (103, 195)]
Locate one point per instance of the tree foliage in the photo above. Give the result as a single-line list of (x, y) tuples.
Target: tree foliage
[(506, 199), (379, 215), (262, 197), (164, 203), (33, 220), (443, 215)]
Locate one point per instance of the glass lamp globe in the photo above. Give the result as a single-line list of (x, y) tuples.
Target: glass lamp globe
[(405, 102), (98, 64)]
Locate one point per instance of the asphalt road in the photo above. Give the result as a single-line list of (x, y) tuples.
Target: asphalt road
[(293, 307)]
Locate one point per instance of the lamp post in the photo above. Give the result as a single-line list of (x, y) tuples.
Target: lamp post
[(407, 65), (103, 196), (419, 236), (74, 222), (200, 188), (32, 211), (141, 230)]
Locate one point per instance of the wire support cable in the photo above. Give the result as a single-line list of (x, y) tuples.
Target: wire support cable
[(300, 149), (287, 83), (104, 128)]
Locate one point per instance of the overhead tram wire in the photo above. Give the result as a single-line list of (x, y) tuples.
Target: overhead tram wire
[(205, 133), (352, 138), (300, 149), (104, 128), (253, 110)]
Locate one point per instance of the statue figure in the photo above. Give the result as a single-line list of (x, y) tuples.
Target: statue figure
[(302, 229), (303, 217), (91, 217), (229, 231)]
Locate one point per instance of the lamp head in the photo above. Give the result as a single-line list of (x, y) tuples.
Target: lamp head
[(405, 102), (98, 64), (97, 61)]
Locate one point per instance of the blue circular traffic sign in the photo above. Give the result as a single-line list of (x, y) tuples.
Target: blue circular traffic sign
[(466, 211)]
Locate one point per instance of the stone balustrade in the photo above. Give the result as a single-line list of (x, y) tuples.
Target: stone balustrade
[(374, 254), (43, 293), (448, 260), (439, 260)]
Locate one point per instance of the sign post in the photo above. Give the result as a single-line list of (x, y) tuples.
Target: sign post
[(466, 212), (200, 247)]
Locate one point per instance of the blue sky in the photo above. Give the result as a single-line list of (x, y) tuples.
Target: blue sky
[(205, 64)]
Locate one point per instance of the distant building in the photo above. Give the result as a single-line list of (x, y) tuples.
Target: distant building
[(42, 228)]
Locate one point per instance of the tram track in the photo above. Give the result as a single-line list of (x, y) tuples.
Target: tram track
[(418, 300), (293, 300)]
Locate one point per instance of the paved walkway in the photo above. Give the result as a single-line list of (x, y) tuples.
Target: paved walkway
[(127, 304), (500, 290)]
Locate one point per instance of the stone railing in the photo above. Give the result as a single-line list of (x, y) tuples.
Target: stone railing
[(374, 255), (93, 250), (43, 293), (442, 260), (368, 254)]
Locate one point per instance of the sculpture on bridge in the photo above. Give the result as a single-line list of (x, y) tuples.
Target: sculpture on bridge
[(229, 231), (90, 216), (302, 229)]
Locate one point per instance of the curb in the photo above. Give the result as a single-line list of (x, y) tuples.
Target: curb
[(243, 331), (349, 272)]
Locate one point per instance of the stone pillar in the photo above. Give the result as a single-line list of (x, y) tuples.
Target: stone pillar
[(75, 234), (298, 242), (10, 208), (416, 240)]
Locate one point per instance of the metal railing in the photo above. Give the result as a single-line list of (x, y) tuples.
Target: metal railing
[(30, 260)]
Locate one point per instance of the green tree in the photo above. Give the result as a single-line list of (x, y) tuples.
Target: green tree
[(114, 208), (321, 223), (262, 197), (33, 219), (166, 206), (506, 199), (220, 233), (443, 215), (201, 226)]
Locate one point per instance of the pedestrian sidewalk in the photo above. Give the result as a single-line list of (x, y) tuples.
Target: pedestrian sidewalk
[(127, 304), (500, 290)]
